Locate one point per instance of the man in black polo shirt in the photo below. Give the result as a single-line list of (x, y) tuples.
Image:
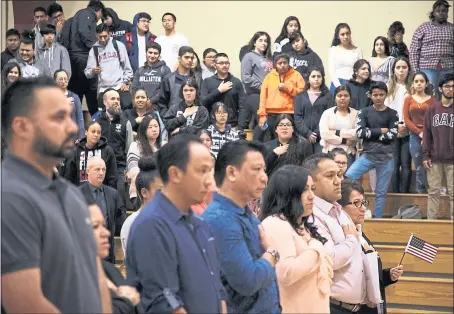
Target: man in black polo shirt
[(49, 255), (171, 254)]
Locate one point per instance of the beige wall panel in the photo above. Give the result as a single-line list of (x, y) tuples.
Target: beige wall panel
[(227, 25)]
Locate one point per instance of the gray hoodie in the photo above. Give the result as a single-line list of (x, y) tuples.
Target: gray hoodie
[(50, 60), (254, 68), (114, 70), (27, 69)]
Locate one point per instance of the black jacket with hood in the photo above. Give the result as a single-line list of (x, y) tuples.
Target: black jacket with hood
[(233, 99), (118, 133), (119, 27), (359, 98), (169, 92), (75, 167), (174, 119), (301, 61), (307, 115), (150, 78), (82, 32)]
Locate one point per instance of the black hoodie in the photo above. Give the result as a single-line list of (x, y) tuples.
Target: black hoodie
[(233, 99), (174, 119), (149, 78), (119, 27), (307, 115), (82, 32), (301, 61), (75, 168), (359, 98)]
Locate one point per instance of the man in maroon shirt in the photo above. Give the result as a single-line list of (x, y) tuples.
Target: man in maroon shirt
[(438, 146)]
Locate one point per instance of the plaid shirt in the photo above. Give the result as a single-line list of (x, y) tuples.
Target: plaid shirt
[(432, 47)]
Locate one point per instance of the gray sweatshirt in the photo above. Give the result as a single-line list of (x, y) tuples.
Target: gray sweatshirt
[(50, 60), (254, 68), (115, 69), (27, 69)]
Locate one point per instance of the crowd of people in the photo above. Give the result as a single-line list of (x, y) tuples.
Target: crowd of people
[(136, 121)]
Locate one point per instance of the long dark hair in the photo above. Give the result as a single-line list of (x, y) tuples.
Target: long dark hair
[(6, 69), (254, 39), (282, 197), (428, 89), (142, 139), (191, 82), (198, 68), (284, 33), (336, 40), (385, 43), (312, 68), (358, 64), (297, 147)]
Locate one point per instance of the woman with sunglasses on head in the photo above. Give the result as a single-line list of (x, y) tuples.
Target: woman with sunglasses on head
[(354, 204), (338, 125), (305, 268)]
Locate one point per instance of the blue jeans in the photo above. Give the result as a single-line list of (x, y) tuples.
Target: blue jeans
[(384, 174), (416, 155), (332, 88), (435, 76)]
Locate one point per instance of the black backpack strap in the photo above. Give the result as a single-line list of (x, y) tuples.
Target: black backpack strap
[(115, 44), (96, 51)]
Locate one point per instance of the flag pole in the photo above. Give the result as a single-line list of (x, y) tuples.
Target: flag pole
[(409, 240)]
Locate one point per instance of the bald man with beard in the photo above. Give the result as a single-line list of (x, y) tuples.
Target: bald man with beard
[(107, 198)]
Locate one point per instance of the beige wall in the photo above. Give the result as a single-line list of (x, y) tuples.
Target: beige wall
[(228, 25), (6, 24)]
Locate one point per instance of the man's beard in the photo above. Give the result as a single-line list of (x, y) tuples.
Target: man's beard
[(43, 147), (115, 112), (447, 97)]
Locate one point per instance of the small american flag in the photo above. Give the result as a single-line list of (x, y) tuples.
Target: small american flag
[(421, 249)]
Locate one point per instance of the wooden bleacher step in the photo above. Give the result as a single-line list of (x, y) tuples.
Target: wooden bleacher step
[(398, 231), (396, 200)]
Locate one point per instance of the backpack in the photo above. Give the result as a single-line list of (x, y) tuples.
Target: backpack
[(128, 42), (115, 44), (409, 211)]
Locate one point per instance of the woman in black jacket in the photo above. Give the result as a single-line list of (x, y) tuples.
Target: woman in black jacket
[(124, 298), (188, 116), (310, 105), (287, 148), (93, 144), (354, 204), (360, 84)]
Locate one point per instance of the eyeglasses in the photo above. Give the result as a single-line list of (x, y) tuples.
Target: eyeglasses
[(448, 86), (144, 21), (224, 63), (341, 164), (359, 203), (284, 125)]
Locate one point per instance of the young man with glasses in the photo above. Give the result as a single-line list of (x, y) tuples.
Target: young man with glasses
[(55, 12), (136, 41), (438, 146), (208, 65), (223, 87)]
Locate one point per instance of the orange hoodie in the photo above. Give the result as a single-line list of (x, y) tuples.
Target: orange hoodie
[(272, 100)]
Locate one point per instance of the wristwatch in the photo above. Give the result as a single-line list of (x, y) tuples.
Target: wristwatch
[(275, 254)]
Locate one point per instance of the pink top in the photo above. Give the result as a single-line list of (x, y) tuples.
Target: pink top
[(304, 271), (349, 282)]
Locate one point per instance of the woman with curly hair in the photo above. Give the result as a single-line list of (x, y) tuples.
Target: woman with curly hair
[(305, 267)]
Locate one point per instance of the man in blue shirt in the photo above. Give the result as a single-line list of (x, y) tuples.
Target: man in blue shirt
[(247, 261), (171, 255)]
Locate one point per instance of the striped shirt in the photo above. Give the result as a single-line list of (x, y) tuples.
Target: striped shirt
[(219, 138), (432, 47)]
